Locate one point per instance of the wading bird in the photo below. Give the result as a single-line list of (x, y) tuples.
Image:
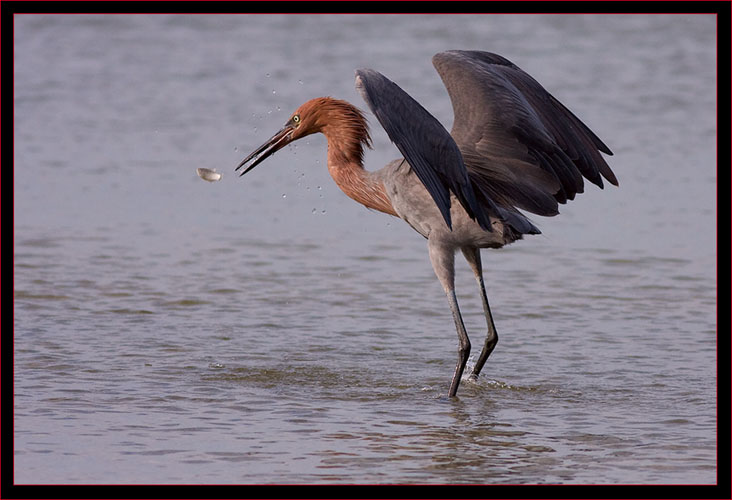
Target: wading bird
[(512, 146)]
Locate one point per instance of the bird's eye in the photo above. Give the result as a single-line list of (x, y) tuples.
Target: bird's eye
[(296, 119)]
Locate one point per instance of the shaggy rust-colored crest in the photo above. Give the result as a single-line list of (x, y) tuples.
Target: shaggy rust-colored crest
[(340, 121)]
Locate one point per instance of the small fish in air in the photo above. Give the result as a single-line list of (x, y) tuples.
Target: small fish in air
[(207, 174)]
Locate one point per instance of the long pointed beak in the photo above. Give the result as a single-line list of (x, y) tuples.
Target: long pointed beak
[(275, 143)]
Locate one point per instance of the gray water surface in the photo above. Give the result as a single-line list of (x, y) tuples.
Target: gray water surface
[(269, 330)]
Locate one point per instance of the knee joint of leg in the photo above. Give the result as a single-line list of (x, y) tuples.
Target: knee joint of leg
[(464, 349)]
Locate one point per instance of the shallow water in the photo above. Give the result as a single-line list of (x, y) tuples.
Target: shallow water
[(269, 330)]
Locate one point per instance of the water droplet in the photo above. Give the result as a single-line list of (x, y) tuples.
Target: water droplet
[(237, 149), (300, 82), (284, 195), (274, 91), (314, 210), (319, 188), (267, 75), (278, 108), (322, 212)]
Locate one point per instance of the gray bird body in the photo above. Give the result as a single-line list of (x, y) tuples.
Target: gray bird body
[(413, 203)]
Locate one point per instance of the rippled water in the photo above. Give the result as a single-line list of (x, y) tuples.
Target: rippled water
[(269, 330)]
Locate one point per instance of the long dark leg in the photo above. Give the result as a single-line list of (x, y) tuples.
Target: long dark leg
[(472, 255), (464, 346), (443, 262)]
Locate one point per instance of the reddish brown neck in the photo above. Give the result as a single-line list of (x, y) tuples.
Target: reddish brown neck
[(359, 185), (345, 150)]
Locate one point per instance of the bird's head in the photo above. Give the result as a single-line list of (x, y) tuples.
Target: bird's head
[(300, 124), (313, 116)]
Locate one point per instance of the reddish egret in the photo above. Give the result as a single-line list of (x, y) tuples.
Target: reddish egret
[(512, 146)]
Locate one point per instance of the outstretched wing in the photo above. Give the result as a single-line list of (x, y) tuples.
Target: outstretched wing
[(426, 145), (521, 146)]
